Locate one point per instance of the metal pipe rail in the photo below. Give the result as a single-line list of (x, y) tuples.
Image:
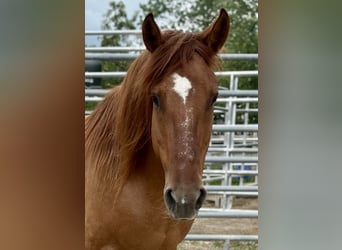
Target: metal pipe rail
[(132, 56), (217, 188), (114, 49), (96, 92), (236, 193), (218, 74), (225, 159), (222, 93), (223, 149), (244, 93), (231, 172), (93, 99), (218, 110), (225, 99), (221, 237), (105, 74), (227, 191), (235, 128), (220, 171), (245, 145), (231, 213), (111, 56), (219, 139), (112, 32)]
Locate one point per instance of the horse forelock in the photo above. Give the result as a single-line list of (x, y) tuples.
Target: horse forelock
[(176, 50), (119, 128)]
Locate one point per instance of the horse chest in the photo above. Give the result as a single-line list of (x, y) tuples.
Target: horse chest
[(153, 234), (143, 222)]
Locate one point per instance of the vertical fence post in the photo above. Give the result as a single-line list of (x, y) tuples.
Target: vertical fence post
[(226, 245)]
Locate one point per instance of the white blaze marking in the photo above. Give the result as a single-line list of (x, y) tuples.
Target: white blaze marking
[(182, 86)]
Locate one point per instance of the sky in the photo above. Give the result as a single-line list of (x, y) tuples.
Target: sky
[(95, 11)]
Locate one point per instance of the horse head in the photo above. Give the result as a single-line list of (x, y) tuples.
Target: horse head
[(182, 115)]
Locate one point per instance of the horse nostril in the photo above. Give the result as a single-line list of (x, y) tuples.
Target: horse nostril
[(177, 205), (201, 198), (169, 200)]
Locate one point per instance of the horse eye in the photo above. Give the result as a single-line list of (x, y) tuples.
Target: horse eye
[(213, 100), (155, 100)]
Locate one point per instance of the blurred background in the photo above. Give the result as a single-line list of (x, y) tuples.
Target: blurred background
[(231, 166), (42, 117)]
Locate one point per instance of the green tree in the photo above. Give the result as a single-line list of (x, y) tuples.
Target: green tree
[(195, 15), (116, 19)]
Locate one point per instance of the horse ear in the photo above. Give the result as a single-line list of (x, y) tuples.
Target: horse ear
[(151, 33), (216, 34)]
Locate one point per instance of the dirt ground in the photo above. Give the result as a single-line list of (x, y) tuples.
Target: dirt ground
[(229, 226), (225, 226)]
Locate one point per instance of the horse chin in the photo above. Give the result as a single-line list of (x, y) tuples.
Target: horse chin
[(184, 218), (183, 213)]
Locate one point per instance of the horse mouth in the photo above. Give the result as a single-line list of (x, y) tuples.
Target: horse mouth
[(183, 213)]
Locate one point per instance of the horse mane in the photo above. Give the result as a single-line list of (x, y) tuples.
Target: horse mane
[(119, 128)]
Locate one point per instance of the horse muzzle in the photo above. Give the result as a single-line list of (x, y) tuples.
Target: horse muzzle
[(184, 204)]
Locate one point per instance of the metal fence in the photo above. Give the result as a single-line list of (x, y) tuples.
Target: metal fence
[(231, 166)]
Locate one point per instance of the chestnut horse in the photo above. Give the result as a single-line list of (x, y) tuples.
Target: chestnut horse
[(145, 143)]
